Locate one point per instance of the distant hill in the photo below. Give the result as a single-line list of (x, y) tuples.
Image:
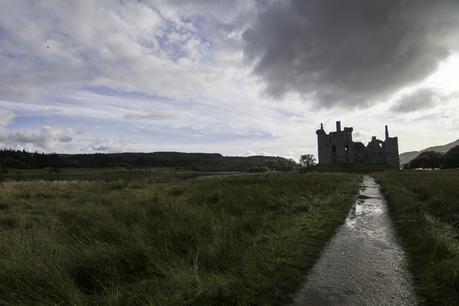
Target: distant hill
[(408, 156), (193, 161)]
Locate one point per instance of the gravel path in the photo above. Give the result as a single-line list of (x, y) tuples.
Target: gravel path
[(363, 264)]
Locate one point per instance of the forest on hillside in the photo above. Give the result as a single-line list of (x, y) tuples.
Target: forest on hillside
[(193, 161), (432, 160)]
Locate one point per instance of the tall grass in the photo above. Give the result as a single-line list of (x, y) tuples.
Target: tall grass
[(216, 241), (153, 174), (425, 209)]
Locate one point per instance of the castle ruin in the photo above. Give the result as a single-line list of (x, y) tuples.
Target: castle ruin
[(338, 148)]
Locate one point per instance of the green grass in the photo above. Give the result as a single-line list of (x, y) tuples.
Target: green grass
[(350, 168), (425, 210), (153, 174), (247, 240)]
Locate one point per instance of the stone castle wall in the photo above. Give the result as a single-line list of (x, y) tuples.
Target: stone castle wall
[(338, 148)]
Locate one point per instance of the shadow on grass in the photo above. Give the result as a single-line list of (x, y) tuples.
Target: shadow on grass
[(222, 241)]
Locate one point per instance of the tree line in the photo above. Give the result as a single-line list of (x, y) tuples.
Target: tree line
[(433, 160), (193, 161)]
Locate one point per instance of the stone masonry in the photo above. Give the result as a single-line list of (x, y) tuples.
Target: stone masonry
[(338, 148)]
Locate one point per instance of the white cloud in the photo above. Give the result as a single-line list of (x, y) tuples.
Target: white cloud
[(47, 138), (133, 46), (164, 75), (98, 145)]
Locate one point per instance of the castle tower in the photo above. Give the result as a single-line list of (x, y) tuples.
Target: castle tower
[(338, 148), (322, 139), (335, 147), (391, 150)]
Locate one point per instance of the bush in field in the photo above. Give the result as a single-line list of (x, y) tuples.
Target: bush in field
[(307, 161)]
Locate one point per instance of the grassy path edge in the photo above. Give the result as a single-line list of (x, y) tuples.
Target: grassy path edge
[(431, 245)]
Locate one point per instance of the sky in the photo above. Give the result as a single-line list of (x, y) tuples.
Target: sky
[(238, 77)]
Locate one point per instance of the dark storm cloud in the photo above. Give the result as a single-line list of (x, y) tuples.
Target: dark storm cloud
[(421, 99), (349, 52)]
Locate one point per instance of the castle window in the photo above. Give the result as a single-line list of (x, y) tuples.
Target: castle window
[(346, 148), (333, 149)]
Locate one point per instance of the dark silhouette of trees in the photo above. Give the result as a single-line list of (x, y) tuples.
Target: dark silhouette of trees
[(192, 161), (428, 159), (452, 158), (431, 159)]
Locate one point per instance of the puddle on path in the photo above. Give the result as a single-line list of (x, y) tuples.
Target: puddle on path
[(363, 263)]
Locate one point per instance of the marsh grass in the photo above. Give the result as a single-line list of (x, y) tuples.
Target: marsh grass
[(425, 210), (219, 241), (152, 174)]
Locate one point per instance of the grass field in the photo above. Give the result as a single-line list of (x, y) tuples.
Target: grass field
[(154, 174), (242, 240), (425, 210)]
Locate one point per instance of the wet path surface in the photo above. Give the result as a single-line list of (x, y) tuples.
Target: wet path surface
[(363, 264)]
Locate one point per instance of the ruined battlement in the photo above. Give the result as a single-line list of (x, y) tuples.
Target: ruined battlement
[(338, 148)]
